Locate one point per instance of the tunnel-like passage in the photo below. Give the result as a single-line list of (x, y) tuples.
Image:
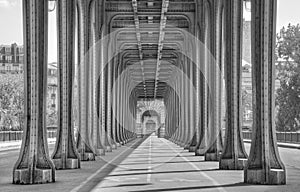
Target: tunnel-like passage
[(149, 66)]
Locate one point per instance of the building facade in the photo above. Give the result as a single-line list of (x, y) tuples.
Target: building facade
[(11, 58)]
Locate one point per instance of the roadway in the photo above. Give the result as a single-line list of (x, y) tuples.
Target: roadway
[(150, 164)]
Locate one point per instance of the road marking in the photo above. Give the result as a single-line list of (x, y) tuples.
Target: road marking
[(178, 180), (99, 170), (216, 183), (149, 162), (120, 179)]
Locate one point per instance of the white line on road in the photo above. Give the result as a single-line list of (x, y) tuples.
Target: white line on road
[(149, 162), (99, 170), (216, 183)]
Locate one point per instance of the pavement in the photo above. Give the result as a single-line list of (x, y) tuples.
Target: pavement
[(159, 165), (150, 164)]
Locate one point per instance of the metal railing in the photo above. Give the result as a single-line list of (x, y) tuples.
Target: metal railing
[(17, 135), (284, 137)]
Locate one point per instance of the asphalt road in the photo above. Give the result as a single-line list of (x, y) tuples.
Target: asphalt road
[(150, 164)]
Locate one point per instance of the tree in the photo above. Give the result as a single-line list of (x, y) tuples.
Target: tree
[(51, 114), (246, 101), (288, 95), (11, 101)]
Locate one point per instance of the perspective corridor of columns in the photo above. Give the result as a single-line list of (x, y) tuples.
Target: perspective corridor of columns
[(149, 66)]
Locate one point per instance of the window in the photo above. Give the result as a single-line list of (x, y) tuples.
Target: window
[(7, 49)]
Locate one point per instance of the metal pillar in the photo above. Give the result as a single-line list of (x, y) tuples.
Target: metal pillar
[(186, 100), (65, 155), (115, 130), (84, 146), (34, 165), (264, 164), (234, 155), (202, 92), (194, 102), (109, 105), (215, 142), (96, 75)]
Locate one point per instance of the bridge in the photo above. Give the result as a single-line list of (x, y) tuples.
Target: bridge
[(143, 89)]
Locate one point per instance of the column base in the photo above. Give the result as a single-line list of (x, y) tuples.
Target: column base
[(39, 176), (100, 152), (87, 157), (114, 146), (211, 157), (186, 147), (69, 164), (257, 176), (229, 164), (181, 144), (200, 152), (108, 149), (192, 149)]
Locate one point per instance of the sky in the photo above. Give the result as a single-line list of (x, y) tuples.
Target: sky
[(11, 30)]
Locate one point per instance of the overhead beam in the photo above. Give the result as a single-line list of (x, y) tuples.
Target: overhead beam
[(163, 20), (138, 37)]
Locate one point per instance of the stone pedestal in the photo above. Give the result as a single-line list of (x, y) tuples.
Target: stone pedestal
[(41, 176), (192, 147), (86, 152), (200, 151), (232, 164), (66, 163), (98, 147), (211, 157), (108, 147), (260, 176), (214, 150)]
